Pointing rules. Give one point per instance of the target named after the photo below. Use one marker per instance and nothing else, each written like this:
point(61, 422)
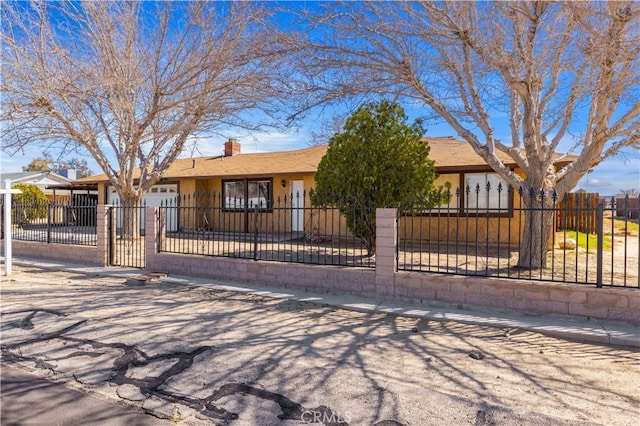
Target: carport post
point(7, 191)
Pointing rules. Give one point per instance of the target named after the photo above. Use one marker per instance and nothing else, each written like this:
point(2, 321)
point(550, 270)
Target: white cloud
point(254, 142)
point(608, 178)
point(14, 163)
point(614, 174)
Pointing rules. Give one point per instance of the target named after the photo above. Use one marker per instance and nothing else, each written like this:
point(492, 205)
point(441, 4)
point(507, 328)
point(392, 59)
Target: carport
point(159, 195)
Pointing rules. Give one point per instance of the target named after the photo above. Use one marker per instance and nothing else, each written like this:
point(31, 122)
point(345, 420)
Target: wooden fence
point(628, 207)
point(577, 212)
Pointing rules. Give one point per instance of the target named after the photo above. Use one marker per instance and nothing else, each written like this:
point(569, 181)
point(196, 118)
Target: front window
point(239, 194)
point(234, 195)
point(485, 192)
point(447, 186)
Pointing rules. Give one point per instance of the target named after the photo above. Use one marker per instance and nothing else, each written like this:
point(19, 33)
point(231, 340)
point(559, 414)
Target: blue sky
point(609, 177)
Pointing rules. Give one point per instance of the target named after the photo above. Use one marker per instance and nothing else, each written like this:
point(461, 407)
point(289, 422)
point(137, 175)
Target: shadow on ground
point(221, 356)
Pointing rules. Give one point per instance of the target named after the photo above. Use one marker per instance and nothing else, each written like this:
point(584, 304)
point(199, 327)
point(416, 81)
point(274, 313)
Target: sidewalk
point(575, 328)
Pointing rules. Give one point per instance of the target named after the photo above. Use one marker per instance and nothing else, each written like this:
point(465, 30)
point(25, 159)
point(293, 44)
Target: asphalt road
point(27, 399)
point(203, 356)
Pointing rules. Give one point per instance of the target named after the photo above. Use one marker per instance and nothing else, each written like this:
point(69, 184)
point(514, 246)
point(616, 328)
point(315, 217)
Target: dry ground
point(199, 356)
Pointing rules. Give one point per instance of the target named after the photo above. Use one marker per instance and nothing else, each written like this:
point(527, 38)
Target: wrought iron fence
point(488, 232)
point(286, 229)
point(126, 231)
point(63, 221)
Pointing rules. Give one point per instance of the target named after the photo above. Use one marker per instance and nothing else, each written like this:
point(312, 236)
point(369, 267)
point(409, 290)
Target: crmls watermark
point(327, 417)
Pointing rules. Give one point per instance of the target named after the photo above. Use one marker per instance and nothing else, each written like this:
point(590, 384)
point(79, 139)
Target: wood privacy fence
point(628, 207)
point(578, 212)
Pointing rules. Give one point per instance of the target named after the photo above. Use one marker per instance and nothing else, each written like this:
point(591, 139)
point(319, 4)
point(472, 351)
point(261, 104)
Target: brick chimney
point(231, 147)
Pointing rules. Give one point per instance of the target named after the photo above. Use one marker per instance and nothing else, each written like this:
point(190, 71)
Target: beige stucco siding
point(202, 211)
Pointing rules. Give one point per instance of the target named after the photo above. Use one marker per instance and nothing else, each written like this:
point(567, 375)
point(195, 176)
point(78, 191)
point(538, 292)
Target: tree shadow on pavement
point(224, 356)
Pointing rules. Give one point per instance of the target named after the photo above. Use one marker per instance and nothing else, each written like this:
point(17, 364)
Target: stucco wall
point(202, 198)
point(84, 255)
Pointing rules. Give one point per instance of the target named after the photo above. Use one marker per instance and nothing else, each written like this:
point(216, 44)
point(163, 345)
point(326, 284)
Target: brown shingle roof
point(302, 161)
point(447, 152)
point(298, 162)
point(450, 153)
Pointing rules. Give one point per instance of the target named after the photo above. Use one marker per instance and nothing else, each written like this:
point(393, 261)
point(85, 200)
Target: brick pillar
point(153, 217)
point(102, 234)
point(386, 261)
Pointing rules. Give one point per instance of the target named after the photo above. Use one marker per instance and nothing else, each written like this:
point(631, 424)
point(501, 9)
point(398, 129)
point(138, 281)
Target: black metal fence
point(71, 220)
point(481, 231)
point(286, 229)
point(126, 231)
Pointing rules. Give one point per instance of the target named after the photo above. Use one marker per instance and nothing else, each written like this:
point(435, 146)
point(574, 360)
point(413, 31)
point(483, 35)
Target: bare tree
point(549, 71)
point(132, 82)
point(631, 192)
point(47, 163)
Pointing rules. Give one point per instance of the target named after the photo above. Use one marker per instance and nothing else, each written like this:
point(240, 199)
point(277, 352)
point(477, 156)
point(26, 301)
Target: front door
point(297, 206)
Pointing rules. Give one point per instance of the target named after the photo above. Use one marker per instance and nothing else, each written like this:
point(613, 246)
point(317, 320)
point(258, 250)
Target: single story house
point(234, 181)
point(42, 180)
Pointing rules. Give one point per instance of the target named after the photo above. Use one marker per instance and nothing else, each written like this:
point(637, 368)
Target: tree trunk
point(130, 210)
point(538, 225)
point(371, 246)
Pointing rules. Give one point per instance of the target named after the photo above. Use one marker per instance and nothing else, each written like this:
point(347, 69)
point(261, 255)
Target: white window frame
point(485, 201)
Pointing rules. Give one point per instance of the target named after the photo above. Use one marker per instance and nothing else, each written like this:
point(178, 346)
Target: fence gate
point(126, 236)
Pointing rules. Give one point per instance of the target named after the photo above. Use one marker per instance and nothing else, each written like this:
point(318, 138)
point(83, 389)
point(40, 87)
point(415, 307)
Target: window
point(484, 194)
point(234, 195)
point(249, 193)
point(448, 184)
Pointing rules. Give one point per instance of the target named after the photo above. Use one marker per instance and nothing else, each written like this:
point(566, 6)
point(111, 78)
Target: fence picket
point(324, 239)
point(488, 241)
point(447, 238)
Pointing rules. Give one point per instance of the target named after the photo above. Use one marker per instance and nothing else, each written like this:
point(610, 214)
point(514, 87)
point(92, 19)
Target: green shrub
point(378, 159)
point(30, 205)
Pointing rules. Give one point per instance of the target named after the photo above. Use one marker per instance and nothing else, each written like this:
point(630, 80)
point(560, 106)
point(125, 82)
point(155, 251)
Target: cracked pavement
point(199, 356)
